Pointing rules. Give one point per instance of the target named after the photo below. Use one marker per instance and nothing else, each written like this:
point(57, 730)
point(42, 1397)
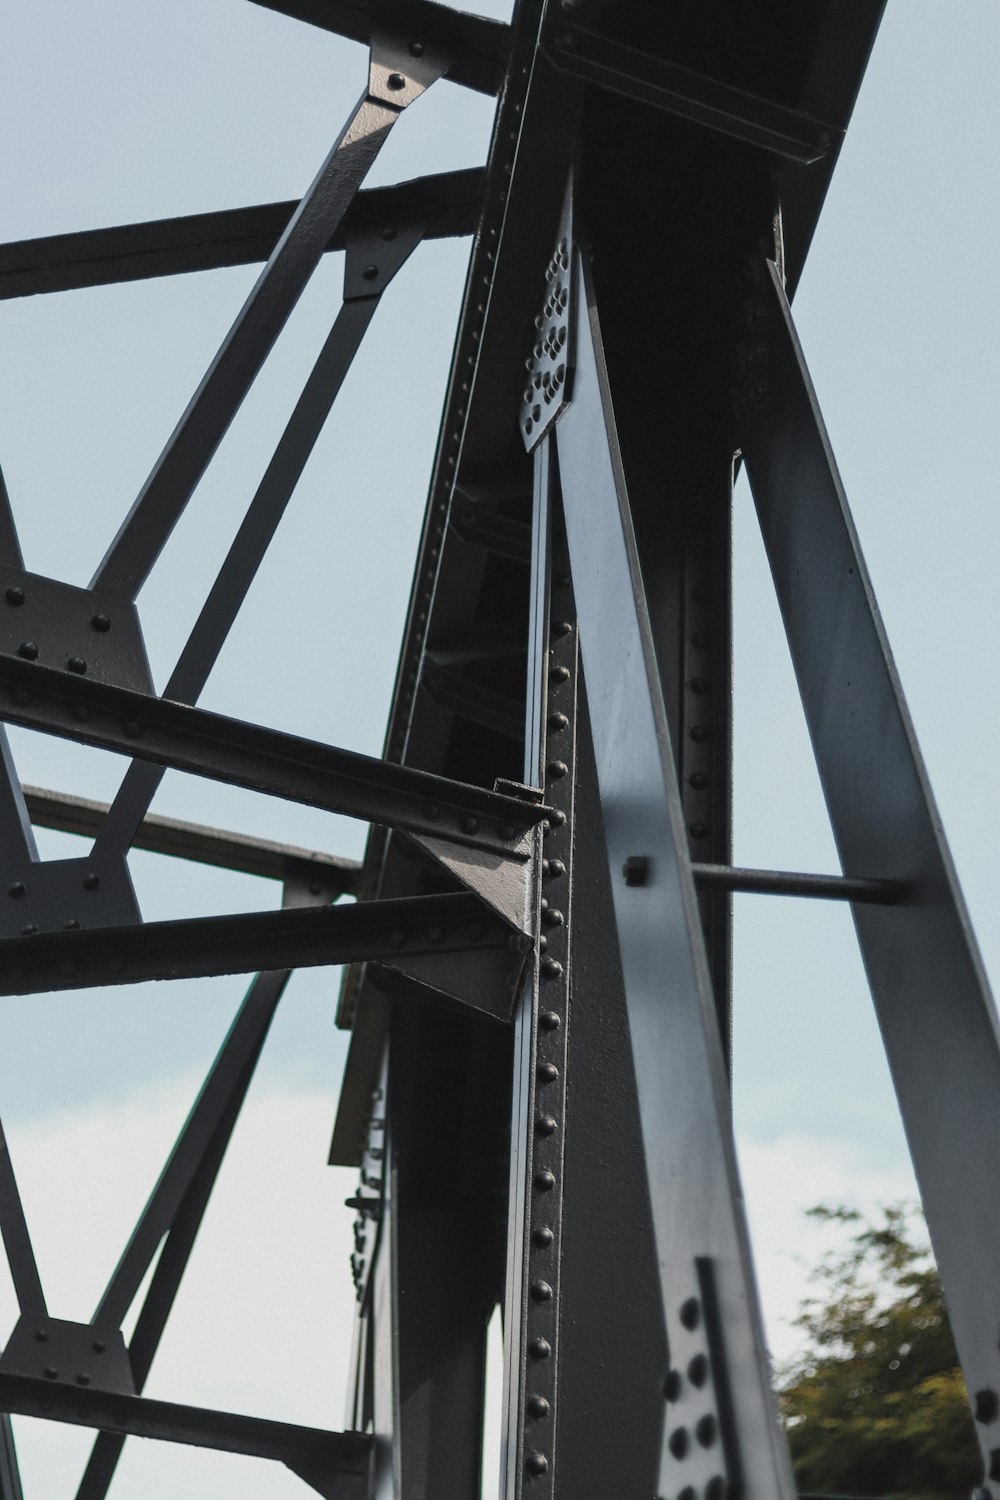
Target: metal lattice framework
point(539, 958)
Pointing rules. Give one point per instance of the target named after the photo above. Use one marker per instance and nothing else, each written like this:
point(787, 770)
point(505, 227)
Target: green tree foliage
point(877, 1404)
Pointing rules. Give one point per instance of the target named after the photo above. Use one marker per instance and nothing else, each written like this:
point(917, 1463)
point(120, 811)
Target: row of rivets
point(550, 1042)
point(474, 313)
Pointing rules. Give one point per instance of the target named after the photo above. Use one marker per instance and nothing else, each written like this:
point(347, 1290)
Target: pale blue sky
point(117, 112)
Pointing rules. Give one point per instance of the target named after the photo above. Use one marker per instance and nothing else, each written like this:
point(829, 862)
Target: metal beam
point(479, 46)
point(264, 760)
point(937, 1016)
point(205, 846)
point(709, 1298)
point(405, 934)
point(599, 59)
point(447, 202)
point(343, 1455)
point(787, 883)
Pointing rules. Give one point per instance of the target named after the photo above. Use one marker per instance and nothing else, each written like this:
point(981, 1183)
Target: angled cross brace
point(334, 1463)
point(263, 760)
point(937, 1017)
point(446, 202)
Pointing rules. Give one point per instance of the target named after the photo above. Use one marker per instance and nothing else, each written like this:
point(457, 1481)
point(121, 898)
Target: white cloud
point(783, 1178)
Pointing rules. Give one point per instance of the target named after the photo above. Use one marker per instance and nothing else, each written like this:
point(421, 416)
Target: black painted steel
point(343, 1455)
point(399, 933)
point(935, 1010)
point(16, 1239)
point(701, 1237)
point(709, 102)
point(265, 512)
point(789, 883)
point(447, 202)
point(480, 45)
point(263, 760)
point(166, 492)
point(194, 841)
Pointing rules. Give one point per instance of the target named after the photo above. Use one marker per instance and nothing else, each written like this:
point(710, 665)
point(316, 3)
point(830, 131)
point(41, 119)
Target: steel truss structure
point(539, 955)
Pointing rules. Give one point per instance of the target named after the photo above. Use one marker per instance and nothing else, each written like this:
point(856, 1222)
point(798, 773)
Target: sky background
point(117, 112)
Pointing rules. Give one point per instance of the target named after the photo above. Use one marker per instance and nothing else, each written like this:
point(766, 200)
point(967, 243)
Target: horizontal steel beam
point(345, 1455)
point(788, 883)
point(194, 841)
point(719, 106)
point(392, 932)
point(480, 46)
point(447, 202)
point(264, 760)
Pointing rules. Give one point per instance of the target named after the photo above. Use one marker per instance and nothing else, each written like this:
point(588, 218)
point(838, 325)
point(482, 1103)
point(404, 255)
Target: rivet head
point(673, 1385)
point(14, 596)
point(396, 82)
point(435, 935)
point(29, 931)
point(82, 1378)
point(546, 1125)
point(470, 824)
point(555, 818)
point(16, 889)
point(705, 1430)
point(549, 1020)
point(91, 881)
point(561, 627)
point(544, 1181)
point(678, 1442)
point(542, 1237)
point(42, 1335)
point(536, 1463)
point(699, 830)
point(51, 1373)
point(28, 650)
point(716, 1488)
point(370, 273)
point(541, 1291)
point(987, 1406)
point(98, 1346)
point(416, 49)
point(551, 968)
point(557, 723)
point(698, 780)
point(101, 623)
point(700, 733)
point(700, 686)
point(547, 1072)
point(72, 925)
point(555, 868)
point(557, 769)
point(636, 869)
point(690, 1313)
point(77, 664)
point(508, 831)
point(552, 917)
point(537, 1407)
point(698, 1370)
point(559, 674)
point(539, 1348)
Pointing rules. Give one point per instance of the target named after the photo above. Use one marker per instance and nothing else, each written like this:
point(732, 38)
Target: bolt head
point(987, 1406)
